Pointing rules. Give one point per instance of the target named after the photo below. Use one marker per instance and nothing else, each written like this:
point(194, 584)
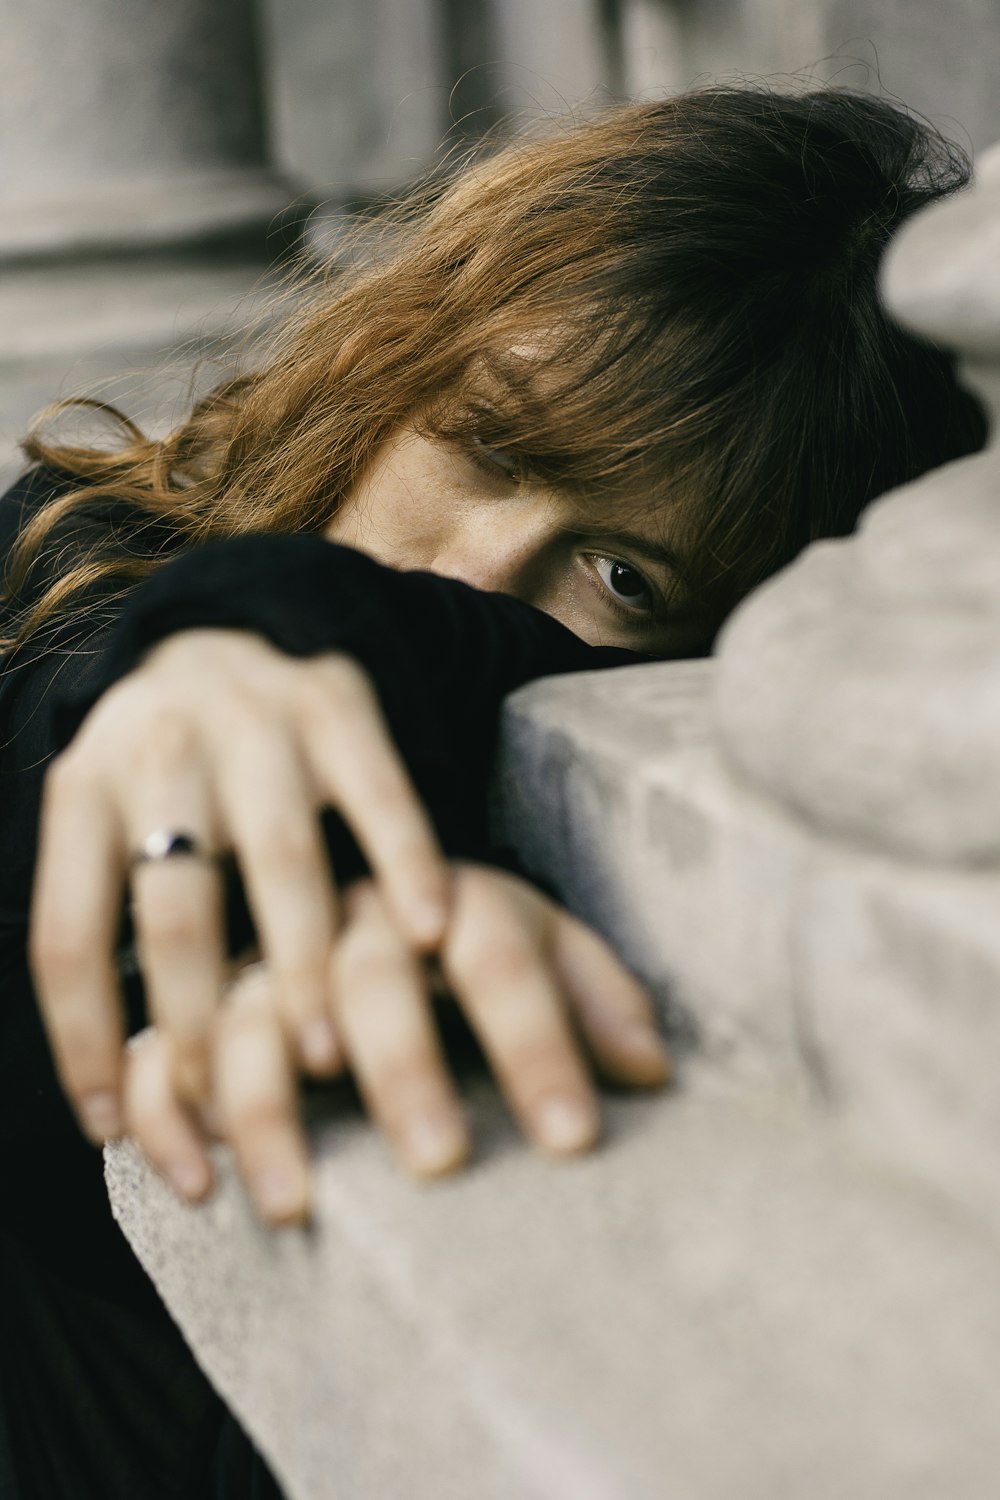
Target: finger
point(613, 1010)
point(156, 1118)
point(271, 813)
point(257, 1102)
point(177, 908)
point(361, 772)
point(386, 1022)
point(74, 921)
point(498, 964)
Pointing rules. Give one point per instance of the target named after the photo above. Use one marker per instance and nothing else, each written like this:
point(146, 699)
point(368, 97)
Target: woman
point(610, 380)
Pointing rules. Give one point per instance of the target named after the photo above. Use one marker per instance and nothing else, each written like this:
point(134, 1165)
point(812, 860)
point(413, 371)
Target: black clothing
point(99, 1395)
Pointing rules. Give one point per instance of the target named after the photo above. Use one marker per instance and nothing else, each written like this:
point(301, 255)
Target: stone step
point(129, 330)
point(780, 1280)
point(724, 1301)
point(866, 982)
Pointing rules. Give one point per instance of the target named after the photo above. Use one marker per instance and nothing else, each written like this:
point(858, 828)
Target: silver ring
point(169, 843)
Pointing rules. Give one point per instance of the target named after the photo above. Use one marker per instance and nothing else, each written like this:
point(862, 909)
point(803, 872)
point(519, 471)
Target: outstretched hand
point(544, 995)
point(224, 740)
point(235, 746)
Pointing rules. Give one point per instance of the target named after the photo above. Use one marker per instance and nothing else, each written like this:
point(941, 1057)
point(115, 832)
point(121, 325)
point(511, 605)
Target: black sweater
point(101, 1399)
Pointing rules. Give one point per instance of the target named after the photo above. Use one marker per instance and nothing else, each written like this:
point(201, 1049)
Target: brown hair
point(700, 274)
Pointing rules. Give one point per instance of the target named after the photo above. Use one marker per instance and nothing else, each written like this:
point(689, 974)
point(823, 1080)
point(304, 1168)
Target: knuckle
point(537, 1062)
point(369, 953)
point(68, 775)
point(170, 740)
point(54, 954)
point(367, 967)
point(252, 1113)
point(362, 903)
point(289, 844)
point(243, 702)
point(406, 1083)
point(190, 1068)
point(299, 984)
point(83, 1060)
point(481, 952)
point(147, 1110)
point(249, 998)
point(341, 673)
point(58, 951)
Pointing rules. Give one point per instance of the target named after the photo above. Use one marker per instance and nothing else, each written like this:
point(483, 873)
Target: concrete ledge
point(721, 1303)
point(783, 1279)
point(868, 983)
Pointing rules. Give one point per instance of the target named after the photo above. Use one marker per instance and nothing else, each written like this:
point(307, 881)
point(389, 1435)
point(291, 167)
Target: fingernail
point(434, 1141)
point(190, 1177)
point(647, 1047)
point(319, 1043)
point(564, 1123)
point(282, 1191)
point(100, 1115)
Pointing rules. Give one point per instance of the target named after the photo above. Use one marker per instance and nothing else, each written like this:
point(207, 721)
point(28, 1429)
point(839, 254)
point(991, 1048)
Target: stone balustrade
point(129, 125)
point(782, 1279)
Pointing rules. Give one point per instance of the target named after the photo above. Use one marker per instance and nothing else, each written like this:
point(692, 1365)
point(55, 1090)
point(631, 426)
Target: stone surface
point(832, 971)
point(915, 50)
point(861, 686)
point(781, 1279)
point(357, 93)
point(142, 334)
point(128, 123)
point(722, 1302)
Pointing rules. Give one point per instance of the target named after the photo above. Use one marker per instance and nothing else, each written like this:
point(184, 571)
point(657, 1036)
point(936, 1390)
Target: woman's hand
point(225, 739)
point(541, 991)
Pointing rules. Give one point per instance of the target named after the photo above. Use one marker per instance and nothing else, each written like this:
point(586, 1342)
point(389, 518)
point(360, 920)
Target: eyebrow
point(513, 372)
point(658, 553)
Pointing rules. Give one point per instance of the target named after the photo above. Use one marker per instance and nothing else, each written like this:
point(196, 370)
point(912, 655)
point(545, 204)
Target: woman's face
point(462, 510)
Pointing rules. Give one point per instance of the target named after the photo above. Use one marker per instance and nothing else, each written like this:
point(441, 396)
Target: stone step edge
point(868, 983)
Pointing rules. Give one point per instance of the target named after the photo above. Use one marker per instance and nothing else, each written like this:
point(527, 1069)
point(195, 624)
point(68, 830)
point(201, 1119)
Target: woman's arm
point(441, 656)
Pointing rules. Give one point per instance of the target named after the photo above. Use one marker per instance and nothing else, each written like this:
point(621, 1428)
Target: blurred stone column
point(556, 56)
point(939, 59)
point(129, 123)
point(358, 91)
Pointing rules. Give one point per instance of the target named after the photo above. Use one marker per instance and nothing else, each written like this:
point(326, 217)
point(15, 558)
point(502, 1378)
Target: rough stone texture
point(834, 972)
point(781, 1280)
point(861, 687)
point(723, 1302)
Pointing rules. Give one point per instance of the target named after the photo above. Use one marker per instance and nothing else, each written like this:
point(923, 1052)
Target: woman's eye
point(625, 584)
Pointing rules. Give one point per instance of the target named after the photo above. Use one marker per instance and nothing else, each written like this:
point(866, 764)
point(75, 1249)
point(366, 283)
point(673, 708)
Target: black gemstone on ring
point(163, 844)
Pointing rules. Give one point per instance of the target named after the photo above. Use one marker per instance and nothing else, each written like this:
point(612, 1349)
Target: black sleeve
point(442, 655)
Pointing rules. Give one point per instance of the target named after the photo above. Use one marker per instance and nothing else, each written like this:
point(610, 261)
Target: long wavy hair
point(700, 274)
